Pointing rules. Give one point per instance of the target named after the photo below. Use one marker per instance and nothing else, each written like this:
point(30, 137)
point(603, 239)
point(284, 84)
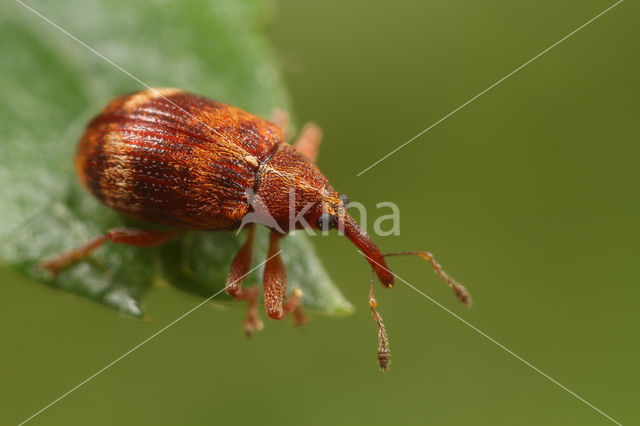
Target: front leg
point(275, 285)
point(239, 269)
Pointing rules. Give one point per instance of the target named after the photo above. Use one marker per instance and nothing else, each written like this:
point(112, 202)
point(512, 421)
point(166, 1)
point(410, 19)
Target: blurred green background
point(529, 196)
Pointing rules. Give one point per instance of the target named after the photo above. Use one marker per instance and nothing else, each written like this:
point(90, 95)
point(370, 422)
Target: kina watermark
point(317, 218)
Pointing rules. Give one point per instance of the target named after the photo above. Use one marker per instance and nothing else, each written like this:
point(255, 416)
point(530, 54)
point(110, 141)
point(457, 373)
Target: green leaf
point(52, 86)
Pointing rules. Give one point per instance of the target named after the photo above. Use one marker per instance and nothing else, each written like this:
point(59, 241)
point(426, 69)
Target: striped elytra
point(172, 157)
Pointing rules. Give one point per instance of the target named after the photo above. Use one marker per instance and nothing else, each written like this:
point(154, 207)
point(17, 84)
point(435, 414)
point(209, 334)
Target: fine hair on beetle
point(173, 158)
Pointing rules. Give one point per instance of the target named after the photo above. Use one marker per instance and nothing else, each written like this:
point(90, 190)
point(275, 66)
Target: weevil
point(190, 163)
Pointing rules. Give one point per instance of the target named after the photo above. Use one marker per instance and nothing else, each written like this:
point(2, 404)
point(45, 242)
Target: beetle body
point(178, 159)
point(175, 158)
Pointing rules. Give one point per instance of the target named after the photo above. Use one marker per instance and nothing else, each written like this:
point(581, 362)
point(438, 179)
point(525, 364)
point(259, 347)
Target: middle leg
point(308, 139)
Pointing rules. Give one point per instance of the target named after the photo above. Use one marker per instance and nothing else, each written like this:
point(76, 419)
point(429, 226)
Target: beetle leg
point(281, 119)
point(308, 141)
point(275, 286)
point(239, 269)
point(135, 237)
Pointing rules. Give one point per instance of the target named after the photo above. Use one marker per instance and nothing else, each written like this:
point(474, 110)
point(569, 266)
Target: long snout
point(364, 242)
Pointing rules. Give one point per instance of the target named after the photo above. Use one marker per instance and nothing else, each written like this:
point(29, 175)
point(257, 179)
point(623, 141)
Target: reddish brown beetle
point(174, 158)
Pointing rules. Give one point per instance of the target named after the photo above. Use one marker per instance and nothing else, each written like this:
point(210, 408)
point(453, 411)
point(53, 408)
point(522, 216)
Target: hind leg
point(134, 237)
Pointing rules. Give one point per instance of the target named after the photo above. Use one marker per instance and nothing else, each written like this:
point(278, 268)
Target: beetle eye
point(325, 222)
point(344, 199)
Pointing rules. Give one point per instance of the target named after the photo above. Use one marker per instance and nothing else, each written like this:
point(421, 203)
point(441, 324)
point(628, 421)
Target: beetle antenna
point(383, 341)
point(461, 293)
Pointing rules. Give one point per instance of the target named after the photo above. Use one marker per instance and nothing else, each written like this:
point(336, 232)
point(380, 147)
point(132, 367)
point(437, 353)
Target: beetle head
point(296, 194)
point(333, 214)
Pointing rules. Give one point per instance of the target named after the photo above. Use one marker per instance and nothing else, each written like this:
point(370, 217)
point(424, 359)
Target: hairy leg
point(239, 269)
point(309, 140)
point(280, 118)
point(275, 285)
point(135, 237)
